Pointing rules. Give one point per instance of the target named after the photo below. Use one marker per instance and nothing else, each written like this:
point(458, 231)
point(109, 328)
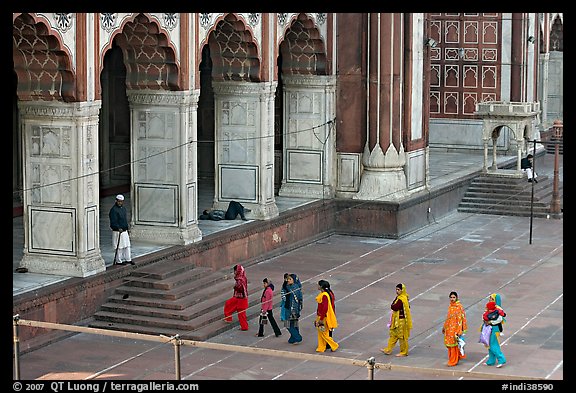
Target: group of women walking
point(290, 308)
point(399, 324)
point(454, 327)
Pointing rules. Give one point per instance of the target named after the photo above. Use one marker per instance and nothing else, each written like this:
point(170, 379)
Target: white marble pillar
point(164, 167)
point(309, 136)
point(244, 146)
point(61, 182)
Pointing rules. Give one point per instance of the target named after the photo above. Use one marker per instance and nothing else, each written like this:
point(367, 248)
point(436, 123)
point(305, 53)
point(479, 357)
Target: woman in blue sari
point(293, 306)
point(495, 354)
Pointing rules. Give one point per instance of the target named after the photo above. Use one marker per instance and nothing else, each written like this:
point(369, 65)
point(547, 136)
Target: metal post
point(16, 349)
point(371, 362)
point(532, 196)
point(555, 203)
point(177, 344)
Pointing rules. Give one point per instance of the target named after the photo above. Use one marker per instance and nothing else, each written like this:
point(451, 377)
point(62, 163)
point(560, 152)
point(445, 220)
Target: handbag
point(263, 318)
point(461, 343)
point(485, 334)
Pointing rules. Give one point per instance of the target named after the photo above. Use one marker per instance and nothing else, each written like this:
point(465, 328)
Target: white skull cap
point(120, 197)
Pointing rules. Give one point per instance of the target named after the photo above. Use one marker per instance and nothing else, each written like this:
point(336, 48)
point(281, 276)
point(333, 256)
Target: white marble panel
point(268, 183)
point(192, 208)
point(416, 168)
point(239, 183)
point(156, 205)
point(92, 227)
point(304, 166)
point(52, 231)
point(457, 134)
point(348, 171)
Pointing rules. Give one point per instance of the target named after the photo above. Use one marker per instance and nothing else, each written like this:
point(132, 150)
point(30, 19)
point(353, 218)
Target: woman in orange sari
point(454, 327)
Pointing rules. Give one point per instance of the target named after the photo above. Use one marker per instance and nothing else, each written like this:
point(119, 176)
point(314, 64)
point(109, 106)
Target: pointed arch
point(149, 57)
point(42, 65)
point(234, 53)
point(302, 49)
point(557, 35)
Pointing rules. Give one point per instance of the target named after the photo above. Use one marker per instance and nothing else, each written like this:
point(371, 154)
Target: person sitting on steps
point(526, 166)
point(234, 209)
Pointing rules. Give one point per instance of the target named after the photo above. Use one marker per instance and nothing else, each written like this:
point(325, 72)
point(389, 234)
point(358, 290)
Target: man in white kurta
point(120, 238)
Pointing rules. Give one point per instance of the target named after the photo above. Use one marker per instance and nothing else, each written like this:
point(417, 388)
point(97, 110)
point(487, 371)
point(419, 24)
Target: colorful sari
point(455, 326)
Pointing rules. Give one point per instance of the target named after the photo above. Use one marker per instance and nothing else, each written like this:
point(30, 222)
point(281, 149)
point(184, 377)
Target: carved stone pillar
point(244, 139)
point(384, 157)
point(164, 167)
point(61, 191)
point(309, 137)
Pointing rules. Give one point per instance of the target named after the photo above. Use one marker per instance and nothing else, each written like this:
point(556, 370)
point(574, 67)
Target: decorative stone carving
point(205, 20)
point(108, 21)
point(170, 20)
point(63, 20)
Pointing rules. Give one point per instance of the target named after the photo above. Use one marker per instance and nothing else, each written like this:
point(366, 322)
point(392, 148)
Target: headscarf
point(270, 285)
point(496, 298)
point(330, 320)
point(241, 286)
point(403, 296)
point(283, 293)
point(295, 290)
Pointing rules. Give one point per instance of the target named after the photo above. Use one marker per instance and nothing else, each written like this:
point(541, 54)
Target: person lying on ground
point(234, 209)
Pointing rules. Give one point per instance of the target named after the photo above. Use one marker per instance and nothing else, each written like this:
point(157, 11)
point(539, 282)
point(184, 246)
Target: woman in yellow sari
point(325, 317)
point(455, 326)
point(400, 322)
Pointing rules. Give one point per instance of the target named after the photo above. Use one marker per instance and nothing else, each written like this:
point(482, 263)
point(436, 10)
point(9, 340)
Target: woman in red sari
point(239, 300)
point(454, 327)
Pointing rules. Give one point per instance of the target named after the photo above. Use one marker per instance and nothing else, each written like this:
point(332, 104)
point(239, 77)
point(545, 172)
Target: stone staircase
point(173, 297)
point(507, 196)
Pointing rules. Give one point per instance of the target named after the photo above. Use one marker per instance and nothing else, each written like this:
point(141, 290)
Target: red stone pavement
point(474, 255)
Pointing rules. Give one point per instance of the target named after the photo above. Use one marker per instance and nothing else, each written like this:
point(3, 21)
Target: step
point(197, 303)
point(515, 198)
point(199, 320)
point(500, 212)
point(503, 206)
point(505, 201)
point(215, 280)
point(164, 269)
point(180, 303)
point(198, 275)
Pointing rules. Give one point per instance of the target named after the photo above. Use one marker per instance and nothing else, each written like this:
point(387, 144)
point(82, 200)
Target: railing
point(177, 342)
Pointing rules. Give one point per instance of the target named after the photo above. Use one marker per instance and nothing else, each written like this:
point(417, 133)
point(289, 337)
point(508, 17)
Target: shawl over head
point(241, 286)
point(330, 321)
point(455, 323)
point(403, 296)
point(496, 298)
point(294, 296)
